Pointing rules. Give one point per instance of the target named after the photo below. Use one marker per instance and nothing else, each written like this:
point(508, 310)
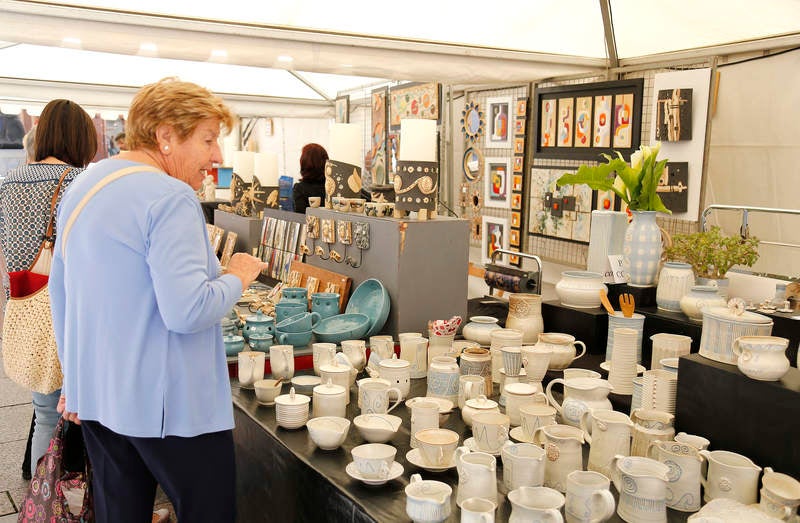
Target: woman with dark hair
point(312, 176)
point(65, 142)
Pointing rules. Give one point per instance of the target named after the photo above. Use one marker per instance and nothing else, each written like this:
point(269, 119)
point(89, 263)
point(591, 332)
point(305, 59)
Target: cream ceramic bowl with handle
point(328, 432)
point(377, 428)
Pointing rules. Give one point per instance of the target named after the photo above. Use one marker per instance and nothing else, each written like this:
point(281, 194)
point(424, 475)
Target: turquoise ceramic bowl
point(342, 327)
point(233, 345)
point(305, 321)
point(260, 342)
point(298, 339)
point(372, 299)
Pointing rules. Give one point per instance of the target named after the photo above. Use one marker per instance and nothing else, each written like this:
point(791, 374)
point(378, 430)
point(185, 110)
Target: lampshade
point(417, 140)
point(243, 165)
point(345, 143)
point(266, 169)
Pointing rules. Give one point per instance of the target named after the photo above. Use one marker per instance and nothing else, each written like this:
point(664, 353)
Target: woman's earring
point(166, 148)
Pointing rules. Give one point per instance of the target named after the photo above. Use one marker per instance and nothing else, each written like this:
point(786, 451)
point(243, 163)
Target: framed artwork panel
point(583, 121)
point(497, 182)
point(519, 127)
point(516, 219)
point(415, 100)
point(342, 109)
point(518, 164)
point(516, 183)
point(519, 145)
point(378, 138)
point(522, 106)
point(674, 115)
point(560, 212)
point(513, 238)
point(494, 235)
point(498, 121)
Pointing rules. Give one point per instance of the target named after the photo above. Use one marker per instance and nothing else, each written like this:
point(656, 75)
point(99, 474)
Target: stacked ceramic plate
point(636, 398)
point(623, 360)
point(659, 388)
point(291, 410)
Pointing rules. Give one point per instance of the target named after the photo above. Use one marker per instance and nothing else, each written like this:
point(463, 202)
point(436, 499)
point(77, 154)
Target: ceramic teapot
point(580, 395)
point(258, 323)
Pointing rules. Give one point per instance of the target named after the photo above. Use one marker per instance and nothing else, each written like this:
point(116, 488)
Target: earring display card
point(227, 251)
point(329, 231)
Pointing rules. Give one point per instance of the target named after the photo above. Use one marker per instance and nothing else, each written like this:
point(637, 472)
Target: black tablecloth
point(281, 476)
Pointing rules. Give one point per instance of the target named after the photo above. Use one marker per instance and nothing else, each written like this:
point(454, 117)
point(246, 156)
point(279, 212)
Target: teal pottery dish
point(342, 327)
point(260, 342)
point(233, 345)
point(371, 299)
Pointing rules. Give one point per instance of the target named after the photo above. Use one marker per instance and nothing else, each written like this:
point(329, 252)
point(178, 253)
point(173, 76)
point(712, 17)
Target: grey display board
point(248, 229)
point(423, 265)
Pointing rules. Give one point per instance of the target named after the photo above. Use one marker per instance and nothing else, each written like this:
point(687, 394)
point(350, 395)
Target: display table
point(282, 476)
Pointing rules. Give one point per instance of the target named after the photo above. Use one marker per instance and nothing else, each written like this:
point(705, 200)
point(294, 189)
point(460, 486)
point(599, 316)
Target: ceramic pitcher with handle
point(477, 475)
point(580, 395)
point(610, 436)
point(730, 475)
point(683, 489)
point(563, 447)
point(642, 486)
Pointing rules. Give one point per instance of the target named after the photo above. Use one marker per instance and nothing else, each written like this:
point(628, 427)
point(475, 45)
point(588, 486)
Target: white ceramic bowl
point(266, 391)
point(328, 432)
point(305, 384)
point(377, 428)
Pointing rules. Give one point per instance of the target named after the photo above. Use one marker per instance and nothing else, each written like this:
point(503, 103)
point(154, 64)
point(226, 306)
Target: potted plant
point(636, 185)
point(711, 254)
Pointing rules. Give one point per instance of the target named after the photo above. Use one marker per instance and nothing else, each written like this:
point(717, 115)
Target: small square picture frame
point(516, 201)
point(516, 182)
point(519, 145)
point(519, 127)
point(518, 164)
point(521, 107)
point(513, 238)
point(516, 219)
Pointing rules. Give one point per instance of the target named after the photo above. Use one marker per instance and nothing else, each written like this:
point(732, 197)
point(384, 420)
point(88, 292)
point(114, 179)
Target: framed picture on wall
point(342, 109)
point(414, 100)
point(497, 182)
point(494, 235)
point(583, 121)
point(498, 120)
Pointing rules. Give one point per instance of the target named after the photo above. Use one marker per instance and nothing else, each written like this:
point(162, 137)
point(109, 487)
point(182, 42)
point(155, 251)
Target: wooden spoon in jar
point(606, 303)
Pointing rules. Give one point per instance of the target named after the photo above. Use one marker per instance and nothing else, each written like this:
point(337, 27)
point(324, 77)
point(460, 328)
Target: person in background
point(28, 143)
point(119, 142)
point(139, 335)
point(64, 142)
point(312, 176)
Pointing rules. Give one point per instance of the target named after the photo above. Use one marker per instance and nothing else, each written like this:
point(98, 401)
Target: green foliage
point(635, 184)
point(711, 254)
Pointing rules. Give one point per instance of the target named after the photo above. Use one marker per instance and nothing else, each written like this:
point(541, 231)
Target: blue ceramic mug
point(298, 339)
point(305, 321)
point(326, 304)
point(295, 294)
point(290, 308)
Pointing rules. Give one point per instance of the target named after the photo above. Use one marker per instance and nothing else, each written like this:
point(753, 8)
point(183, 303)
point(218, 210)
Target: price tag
point(615, 264)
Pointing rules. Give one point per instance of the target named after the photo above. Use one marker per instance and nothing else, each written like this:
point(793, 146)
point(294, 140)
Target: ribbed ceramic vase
point(642, 249)
point(674, 282)
point(525, 314)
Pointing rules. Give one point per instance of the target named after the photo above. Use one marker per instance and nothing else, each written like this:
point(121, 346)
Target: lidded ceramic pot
point(699, 297)
point(722, 325)
point(258, 323)
point(476, 405)
point(329, 400)
point(397, 372)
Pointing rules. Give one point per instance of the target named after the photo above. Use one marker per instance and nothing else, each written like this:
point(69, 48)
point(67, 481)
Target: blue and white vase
point(674, 282)
point(642, 249)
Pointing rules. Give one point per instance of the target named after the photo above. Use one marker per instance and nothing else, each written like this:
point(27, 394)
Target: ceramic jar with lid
point(525, 314)
point(580, 289)
point(674, 282)
point(329, 400)
point(698, 298)
point(291, 410)
point(477, 361)
point(722, 325)
point(478, 329)
point(443, 375)
point(476, 405)
point(397, 372)
point(258, 323)
point(338, 375)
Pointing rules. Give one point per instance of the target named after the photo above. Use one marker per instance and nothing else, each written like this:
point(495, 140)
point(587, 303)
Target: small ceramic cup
point(314, 201)
point(357, 205)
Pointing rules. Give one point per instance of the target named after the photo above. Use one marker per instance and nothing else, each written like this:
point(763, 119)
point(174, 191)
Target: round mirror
point(473, 163)
point(472, 122)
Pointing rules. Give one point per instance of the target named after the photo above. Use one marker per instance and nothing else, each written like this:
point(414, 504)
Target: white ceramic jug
point(608, 436)
point(683, 489)
point(650, 425)
point(251, 367)
point(523, 465)
point(730, 475)
point(535, 505)
point(477, 475)
point(642, 486)
point(580, 395)
point(427, 500)
point(562, 347)
point(563, 447)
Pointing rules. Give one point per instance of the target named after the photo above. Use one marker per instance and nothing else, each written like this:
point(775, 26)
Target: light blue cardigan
point(136, 303)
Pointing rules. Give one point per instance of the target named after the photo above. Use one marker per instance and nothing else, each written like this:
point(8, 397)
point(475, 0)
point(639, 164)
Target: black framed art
point(580, 122)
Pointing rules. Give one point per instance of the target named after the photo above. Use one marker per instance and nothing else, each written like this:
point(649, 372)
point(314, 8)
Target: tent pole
point(611, 41)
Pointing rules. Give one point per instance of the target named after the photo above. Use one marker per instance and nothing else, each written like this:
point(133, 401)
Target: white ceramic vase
point(525, 315)
point(580, 289)
point(675, 281)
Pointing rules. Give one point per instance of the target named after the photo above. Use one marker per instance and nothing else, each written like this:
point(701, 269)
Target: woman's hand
point(62, 409)
point(245, 267)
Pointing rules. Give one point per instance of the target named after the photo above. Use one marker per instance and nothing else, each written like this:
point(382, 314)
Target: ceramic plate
point(266, 403)
point(606, 366)
point(472, 445)
point(395, 472)
point(445, 406)
point(415, 458)
point(370, 298)
point(335, 329)
point(517, 434)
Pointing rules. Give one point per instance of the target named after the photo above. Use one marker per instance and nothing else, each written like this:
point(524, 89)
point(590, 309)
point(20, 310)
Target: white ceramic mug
point(523, 465)
point(374, 460)
point(512, 360)
point(251, 367)
point(356, 352)
point(437, 446)
point(490, 431)
point(322, 354)
point(281, 360)
point(424, 415)
point(477, 510)
point(374, 397)
point(382, 345)
point(589, 499)
point(536, 415)
point(470, 387)
point(414, 349)
point(518, 395)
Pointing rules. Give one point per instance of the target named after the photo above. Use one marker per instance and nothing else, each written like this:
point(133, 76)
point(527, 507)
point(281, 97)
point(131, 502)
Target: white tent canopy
point(269, 56)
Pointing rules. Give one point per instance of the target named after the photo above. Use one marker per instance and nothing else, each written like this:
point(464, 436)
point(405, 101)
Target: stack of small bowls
point(296, 329)
point(291, 410)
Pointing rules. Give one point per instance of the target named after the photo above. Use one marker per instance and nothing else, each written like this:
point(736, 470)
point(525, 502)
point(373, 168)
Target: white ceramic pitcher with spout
point(642, 486)
point(477, 475)
point(580, 395)
point(610, 435)
point(684, 462)
point(563, 446)
point(730, 475)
